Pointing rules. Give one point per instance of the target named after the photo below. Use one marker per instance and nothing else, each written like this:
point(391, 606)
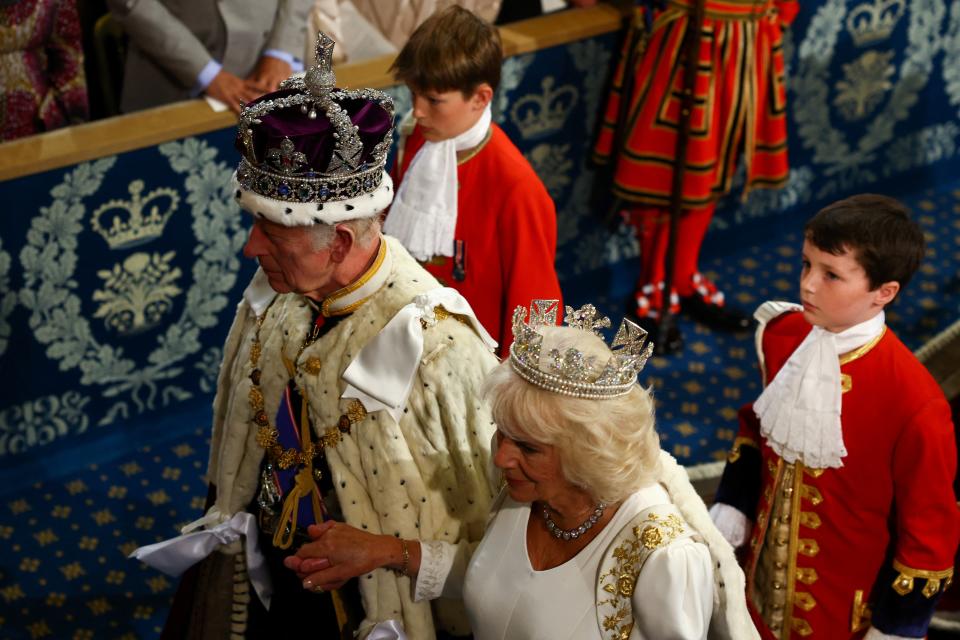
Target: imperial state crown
point(313, 153)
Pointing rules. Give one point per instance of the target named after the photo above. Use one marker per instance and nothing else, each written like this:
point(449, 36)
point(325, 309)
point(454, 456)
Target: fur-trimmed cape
point(731, 619)
point(425, 477)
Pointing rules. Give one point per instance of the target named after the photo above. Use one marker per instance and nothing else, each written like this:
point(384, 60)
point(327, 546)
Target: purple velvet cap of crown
point(314, 136)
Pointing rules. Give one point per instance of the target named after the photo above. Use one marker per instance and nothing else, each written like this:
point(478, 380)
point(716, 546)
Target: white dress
point(689, 586)
point(507, 598)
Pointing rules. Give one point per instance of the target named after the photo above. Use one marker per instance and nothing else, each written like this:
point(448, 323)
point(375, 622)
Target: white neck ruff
point(799, 410)
point(423, 216)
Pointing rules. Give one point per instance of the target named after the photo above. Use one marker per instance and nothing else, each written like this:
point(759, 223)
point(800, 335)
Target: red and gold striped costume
point(739, 104)
point(739, 107)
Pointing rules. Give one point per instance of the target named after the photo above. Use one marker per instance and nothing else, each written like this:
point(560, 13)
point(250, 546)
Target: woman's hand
point(340, 552)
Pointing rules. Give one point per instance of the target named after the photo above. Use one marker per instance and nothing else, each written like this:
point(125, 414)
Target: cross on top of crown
point(320, 79)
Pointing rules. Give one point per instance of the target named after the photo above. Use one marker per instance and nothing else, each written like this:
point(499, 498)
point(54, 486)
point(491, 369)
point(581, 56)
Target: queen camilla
point(597, 533)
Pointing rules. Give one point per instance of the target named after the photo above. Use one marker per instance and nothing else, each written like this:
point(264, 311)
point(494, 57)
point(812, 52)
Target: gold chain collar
point(267, 434)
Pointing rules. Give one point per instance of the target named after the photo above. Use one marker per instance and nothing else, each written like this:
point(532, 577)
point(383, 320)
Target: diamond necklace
point(576, 532)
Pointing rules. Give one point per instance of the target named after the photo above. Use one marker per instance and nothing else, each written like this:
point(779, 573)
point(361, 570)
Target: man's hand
point(269, 73)
point(231, 90)
point(338, 553)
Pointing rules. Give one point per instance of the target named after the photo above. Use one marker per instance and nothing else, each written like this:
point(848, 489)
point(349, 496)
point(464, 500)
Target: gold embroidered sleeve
point(621, 567)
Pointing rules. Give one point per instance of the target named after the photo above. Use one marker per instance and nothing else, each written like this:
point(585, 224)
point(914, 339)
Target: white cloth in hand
point(176, 555)
point(387, 630)
point(875, 634)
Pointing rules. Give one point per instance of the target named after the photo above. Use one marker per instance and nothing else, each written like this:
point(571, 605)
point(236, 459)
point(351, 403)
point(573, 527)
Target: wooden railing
point(84, 142)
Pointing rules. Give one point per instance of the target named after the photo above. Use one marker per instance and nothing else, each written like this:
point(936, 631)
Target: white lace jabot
point(799, 410)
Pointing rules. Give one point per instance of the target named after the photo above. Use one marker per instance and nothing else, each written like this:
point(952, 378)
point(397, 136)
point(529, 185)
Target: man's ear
point(886, 292)
point(482, 96)
point(344, 239)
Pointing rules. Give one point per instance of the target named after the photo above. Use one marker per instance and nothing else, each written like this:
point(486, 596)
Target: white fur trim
point(305, 214)
point(706, 470)
point(382, 373)
point(731, 620)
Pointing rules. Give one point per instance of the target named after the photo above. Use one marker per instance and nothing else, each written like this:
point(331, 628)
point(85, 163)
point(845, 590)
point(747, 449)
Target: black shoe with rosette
point(708, 306)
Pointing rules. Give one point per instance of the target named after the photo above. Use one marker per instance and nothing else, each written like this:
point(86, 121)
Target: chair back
point(110, 52)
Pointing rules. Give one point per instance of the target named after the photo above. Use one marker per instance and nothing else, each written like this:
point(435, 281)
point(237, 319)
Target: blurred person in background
point(736, 116)
point(232, 51)
point(41, 67)
point(379, 28)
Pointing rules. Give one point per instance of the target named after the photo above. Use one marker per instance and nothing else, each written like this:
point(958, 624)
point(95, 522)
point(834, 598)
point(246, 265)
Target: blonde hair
point(608, 447)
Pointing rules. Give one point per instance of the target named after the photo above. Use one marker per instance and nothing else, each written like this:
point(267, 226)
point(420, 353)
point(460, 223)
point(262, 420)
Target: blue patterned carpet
point(65, 574)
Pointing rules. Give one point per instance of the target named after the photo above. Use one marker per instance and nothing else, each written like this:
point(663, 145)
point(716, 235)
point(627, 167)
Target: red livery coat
point(856, 535)
point(507, 227)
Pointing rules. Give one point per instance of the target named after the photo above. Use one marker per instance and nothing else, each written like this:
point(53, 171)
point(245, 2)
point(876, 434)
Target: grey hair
point(365, 230)
point(608, 447)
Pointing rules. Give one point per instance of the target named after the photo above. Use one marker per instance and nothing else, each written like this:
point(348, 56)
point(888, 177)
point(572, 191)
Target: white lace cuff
point(876, 634)
point(732, 524)
point(436, 560)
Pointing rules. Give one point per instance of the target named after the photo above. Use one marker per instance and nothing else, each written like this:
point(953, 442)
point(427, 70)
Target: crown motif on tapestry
point(282, 172)
point(873, 21)
point(128, 223)
point(571, 373)
point(537, 115)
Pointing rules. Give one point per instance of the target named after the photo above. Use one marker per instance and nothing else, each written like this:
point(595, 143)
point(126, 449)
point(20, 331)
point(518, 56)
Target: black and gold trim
point(740, 441)
point(904, 582)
